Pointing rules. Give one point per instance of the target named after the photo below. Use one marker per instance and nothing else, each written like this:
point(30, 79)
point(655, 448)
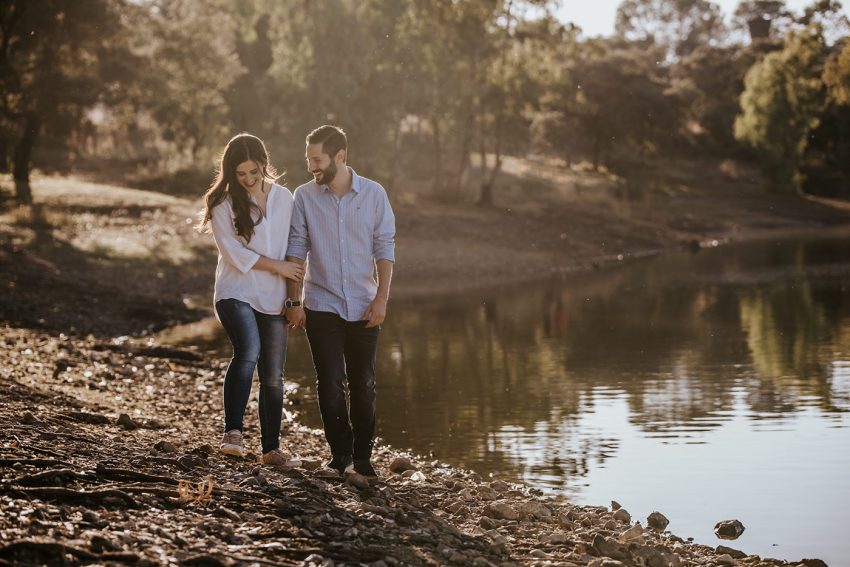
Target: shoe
point(339, 463)
point(231, 444)
point(279, 458)
point(364, 467)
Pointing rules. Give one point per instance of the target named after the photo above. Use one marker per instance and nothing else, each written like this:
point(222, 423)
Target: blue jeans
point(259, 341)
point(345, 352)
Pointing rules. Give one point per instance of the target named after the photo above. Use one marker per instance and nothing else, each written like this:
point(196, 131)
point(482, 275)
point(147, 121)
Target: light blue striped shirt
point(341, 239)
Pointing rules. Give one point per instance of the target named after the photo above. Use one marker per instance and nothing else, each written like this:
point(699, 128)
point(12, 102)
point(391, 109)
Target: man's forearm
point(385, 277)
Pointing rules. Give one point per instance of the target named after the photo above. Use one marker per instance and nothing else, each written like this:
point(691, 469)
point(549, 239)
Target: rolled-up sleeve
point(299, 236)
point(229, 244)
point(383, 238)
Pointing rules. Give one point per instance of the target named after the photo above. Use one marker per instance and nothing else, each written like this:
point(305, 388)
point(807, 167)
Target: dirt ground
point(108, 438)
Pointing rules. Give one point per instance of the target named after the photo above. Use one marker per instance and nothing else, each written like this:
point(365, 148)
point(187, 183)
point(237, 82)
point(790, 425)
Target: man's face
point(320, 164)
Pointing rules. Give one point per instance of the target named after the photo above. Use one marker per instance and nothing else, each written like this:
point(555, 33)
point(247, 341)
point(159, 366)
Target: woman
point(248, 215)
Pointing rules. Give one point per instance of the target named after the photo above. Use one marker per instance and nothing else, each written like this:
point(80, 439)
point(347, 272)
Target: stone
point(539, 554)
point(658, 556)
point(488, 523)
point(657, 521)
point(636, 533)
point(417, 476)
point(610, 548)
point(165, 447)
point(534, 510)
point(401, 464)
point(501, 510)
point(623, 516)
point(722, 549)
point(356, 480)
point(487, 493)
point(615, 506)
point(729, 529)
point(499, 486)
point(725, 560)
point(605, 562)
point(813, 563)
point(127, 422)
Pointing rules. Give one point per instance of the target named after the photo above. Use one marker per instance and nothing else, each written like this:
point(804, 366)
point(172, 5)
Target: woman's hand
point(291, 270)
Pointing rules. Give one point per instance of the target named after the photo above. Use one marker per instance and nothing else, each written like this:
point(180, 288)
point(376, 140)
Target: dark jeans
point(259, 341)
point(344, 351)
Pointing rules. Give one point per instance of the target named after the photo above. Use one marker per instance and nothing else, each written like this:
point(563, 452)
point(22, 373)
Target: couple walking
point(337, 237)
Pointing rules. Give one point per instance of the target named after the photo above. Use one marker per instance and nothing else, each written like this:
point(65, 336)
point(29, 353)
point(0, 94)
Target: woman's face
point(250, 175)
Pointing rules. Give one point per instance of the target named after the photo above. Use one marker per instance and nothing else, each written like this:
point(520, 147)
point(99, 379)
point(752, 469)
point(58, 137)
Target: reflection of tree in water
point(786, 328)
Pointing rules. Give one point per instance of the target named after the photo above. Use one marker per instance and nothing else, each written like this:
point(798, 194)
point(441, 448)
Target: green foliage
point(836, 76)
point(50, 72)
point(781, 104)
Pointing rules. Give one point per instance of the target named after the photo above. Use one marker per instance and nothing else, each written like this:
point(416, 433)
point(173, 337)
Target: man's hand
point(375, 313)
point(296, 317)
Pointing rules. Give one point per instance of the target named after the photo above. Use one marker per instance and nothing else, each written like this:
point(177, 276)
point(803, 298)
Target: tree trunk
point(438, 157)
point(23, 157)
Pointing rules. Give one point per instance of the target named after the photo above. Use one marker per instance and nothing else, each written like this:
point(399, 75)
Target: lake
point(707, 386)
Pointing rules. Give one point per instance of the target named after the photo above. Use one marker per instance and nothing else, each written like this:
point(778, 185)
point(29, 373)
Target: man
point(344, 228)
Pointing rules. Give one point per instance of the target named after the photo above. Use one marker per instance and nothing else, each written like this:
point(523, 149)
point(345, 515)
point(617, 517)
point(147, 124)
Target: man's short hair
point(332, 139)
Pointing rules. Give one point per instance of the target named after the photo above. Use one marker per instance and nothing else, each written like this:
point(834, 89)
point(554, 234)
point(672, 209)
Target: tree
point(679, 25)
point(50, 73)
point(762, 18)
point(780, 106)
point(710, 81)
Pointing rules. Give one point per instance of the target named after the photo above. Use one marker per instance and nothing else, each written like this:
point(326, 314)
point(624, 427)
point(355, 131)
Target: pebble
point(501, 510)
point(127, 422)
point(356, 480)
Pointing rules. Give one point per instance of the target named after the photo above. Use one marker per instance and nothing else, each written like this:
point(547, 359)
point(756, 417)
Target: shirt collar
point(355, 182)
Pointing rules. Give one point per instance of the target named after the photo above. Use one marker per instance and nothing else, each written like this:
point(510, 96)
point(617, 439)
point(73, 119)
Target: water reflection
point(681, 368)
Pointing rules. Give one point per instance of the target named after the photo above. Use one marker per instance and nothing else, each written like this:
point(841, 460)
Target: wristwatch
point(292, 303)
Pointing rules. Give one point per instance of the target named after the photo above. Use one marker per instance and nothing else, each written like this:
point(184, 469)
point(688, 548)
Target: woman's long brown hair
point(241, 148)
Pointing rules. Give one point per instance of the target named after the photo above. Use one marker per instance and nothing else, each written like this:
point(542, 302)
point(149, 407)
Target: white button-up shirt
point(234, 278)
point(341, 238)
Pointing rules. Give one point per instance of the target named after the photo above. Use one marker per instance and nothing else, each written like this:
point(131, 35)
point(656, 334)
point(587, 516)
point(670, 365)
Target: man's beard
point(328, 174)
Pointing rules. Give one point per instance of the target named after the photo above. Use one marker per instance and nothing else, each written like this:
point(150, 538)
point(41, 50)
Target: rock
point(606, 562)
point(657, 521)
point(610, 548)
point(481, 562)
point(401, 464)
point(356, 480)
point(192, 461)
point(417, 476)
point(534, 510)
point(467, 494)
point(311, 464)
point(458, 558)
point(487, 493)
point(725, 560)
point(488, 523)
point(165, 447)
point(127, 422)
point(729, 529)
point(539, 553)
point(501, 510)
point(623, 516)
point(813, 563)
point(636, 533)
point(378, 563)
point(615, 506)
point(499, 486)
point(722, 549)
point(390, 560)
point(658, 556)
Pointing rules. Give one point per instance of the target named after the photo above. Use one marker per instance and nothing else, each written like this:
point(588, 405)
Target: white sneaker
point(279, 458)
point(231, 444)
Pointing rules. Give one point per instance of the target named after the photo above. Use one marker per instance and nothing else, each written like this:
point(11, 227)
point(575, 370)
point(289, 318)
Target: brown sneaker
point(231, 444)
point(279, 458)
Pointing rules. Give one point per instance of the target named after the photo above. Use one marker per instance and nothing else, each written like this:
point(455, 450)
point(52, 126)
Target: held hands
point(291, 270)
point(296, 317)
point(375, 313)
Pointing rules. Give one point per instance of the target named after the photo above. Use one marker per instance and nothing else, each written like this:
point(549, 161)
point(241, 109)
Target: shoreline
point(89, 267)
point(102, 461)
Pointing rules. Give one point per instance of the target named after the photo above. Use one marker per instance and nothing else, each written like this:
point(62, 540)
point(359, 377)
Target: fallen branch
point(127, 474)
point(57, 493)
point(49, 476)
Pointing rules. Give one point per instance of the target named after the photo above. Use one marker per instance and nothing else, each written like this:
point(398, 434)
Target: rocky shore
point(108, 457)
point(108, 440)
